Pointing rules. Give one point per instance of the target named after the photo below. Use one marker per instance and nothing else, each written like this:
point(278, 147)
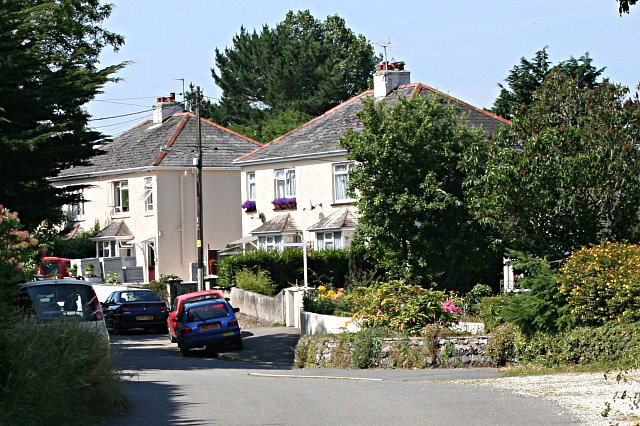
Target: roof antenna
point(385, 44)
point(184, 104)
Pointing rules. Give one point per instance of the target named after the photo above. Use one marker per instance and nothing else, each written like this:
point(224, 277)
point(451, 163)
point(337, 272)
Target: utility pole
point(198, 164)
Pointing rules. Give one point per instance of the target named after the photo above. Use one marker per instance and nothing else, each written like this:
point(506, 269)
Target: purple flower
point(449, 307)
point(249, 205)
point(284, 202)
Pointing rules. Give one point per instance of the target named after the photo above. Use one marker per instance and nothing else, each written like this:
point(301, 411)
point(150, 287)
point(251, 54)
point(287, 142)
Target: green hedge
point(329, 267)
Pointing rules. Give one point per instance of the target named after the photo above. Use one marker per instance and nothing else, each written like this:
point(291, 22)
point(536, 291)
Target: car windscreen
point(139, 296)
point(69, 301)
point(207, 312)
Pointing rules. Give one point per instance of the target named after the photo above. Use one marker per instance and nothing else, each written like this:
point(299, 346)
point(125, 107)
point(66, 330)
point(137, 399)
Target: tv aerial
point(386, 44)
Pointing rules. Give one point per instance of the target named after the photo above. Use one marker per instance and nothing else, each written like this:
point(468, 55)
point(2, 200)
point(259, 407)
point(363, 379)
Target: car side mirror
point(175, 320)
point(236, 310)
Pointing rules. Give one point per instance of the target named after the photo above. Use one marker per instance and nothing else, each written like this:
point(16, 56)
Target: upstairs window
point(120, 197)
point(285, 183)
point(147, 195)
point(251, 185)
point(341, 182)
point(76, 210)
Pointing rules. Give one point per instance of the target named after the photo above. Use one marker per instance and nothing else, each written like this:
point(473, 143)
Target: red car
point(177, 307)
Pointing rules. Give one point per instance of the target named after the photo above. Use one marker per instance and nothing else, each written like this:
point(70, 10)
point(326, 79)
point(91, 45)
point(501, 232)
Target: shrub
point(505, 343)
point(59, 373)
point(471, 301)
point(602, 284)
point(258, 282)
point(159, 286)
point(321, 300)
point(491, 311)
point(402, 307)
point(367, 347)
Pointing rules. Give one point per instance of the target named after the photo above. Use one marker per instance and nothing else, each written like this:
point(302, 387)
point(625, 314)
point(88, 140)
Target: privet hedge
point(329, 267)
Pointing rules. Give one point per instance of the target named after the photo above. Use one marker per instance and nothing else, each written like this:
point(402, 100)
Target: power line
point(122, 115)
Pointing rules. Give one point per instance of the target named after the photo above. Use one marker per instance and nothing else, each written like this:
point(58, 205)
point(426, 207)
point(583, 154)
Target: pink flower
point(449, 307)
point(378, 309)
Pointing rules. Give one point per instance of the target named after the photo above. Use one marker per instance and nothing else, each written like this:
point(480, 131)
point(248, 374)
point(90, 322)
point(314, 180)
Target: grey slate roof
point(140, 146)
point(116, 230)
point(280, 224)
point(322, 134)
point(342, 218)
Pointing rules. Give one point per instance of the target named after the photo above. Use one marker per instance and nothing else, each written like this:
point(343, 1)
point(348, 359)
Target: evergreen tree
point(276, 79)
point(48, 55)
point(527, 77)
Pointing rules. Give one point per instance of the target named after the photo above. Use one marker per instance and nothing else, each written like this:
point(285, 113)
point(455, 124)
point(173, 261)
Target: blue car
point(207, 324)
point(133, 308)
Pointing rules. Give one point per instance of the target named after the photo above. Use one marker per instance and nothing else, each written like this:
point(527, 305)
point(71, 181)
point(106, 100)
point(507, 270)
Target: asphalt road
point(257, 386)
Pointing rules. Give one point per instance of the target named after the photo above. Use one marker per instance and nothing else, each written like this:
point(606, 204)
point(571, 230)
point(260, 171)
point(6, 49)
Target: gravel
point(585, 394)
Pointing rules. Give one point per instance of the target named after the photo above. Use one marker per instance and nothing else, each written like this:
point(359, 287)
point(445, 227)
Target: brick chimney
point(165, 107)
point(388, 77)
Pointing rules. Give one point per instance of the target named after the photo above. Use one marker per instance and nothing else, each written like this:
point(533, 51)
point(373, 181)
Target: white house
point(296, 185)
point(142, 192)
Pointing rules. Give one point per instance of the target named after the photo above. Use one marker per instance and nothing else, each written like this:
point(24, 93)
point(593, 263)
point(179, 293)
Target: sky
point(463, 48)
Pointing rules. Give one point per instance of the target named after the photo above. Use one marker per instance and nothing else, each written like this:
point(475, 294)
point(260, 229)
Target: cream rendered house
point(308, 165)
point(142, 192)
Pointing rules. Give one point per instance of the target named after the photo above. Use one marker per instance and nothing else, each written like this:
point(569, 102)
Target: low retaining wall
point(414, 352)
point(257, 305)
point(311, 323)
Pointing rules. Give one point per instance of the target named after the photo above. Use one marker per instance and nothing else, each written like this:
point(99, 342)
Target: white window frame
point(120, 197)
point(270, 242)
point(251, 186)
point(341, 173)
point(284, 183)
point(76, 210)
point(336, 238)
point(147, 196)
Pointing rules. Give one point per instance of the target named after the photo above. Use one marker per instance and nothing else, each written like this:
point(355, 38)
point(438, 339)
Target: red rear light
point(96, 306)
point(163, 309)
point(124, 309)
point(185, 330)
point(233, 323)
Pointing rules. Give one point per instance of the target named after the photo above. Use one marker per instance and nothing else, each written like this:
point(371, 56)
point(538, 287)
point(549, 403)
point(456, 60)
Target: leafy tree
point(567, 172)
point(623, 6)
point(48, 56)
point(413, 218)
point(18, 250)
point(527, 77)
point(276, 79)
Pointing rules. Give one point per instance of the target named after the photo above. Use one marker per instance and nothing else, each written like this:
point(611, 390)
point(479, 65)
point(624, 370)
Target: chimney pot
point(172, 96)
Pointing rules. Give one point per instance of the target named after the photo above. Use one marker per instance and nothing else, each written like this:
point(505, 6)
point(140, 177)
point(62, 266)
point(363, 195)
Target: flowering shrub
point(249, 205)
point(17, 249)
point(327, 301)
point(284, 203)
point(403, 307)
point(601, 284)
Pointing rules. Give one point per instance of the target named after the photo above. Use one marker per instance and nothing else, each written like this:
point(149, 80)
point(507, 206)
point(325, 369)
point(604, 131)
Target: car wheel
point(238, 343)
point(185, 351)
point(172, 339)
point(116, 329)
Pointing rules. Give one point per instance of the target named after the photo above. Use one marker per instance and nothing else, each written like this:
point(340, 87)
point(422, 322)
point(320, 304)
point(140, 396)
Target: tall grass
point(56, 373)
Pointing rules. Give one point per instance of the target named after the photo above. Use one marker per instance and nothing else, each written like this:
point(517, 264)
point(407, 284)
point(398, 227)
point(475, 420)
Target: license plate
point(144, 318)
point(209, 326)
point(228, 334)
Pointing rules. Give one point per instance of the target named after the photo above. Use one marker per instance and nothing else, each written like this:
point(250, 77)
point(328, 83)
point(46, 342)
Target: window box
point(284, 203)
point(249, 206)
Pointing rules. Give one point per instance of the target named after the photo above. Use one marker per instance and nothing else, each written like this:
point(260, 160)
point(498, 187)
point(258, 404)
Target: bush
point(402, 307)
point(491, 311)
point(319, 300)
point(505, 344)
point(602, 284)
point(471, 301)
point(611, 345)
point(159, 286)
point(258, 282)
point(59, 373)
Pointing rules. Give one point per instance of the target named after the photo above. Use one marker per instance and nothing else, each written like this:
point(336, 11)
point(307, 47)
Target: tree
point(623, 6)
point(566, 174)
point(524, 79)
point(413, 218)
point(48, 55)
point(297, 70)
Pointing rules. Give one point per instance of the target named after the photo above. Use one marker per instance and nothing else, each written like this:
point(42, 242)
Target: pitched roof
point(281, 224)
point(140, 146)
point(116, 230)
point(342, 218)
point(322, 134)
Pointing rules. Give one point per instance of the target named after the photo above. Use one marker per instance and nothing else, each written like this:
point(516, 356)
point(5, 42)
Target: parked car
point(178, 304)
point(54, 267)
point(63, 299)
point(207, 324)
point(133, 308)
